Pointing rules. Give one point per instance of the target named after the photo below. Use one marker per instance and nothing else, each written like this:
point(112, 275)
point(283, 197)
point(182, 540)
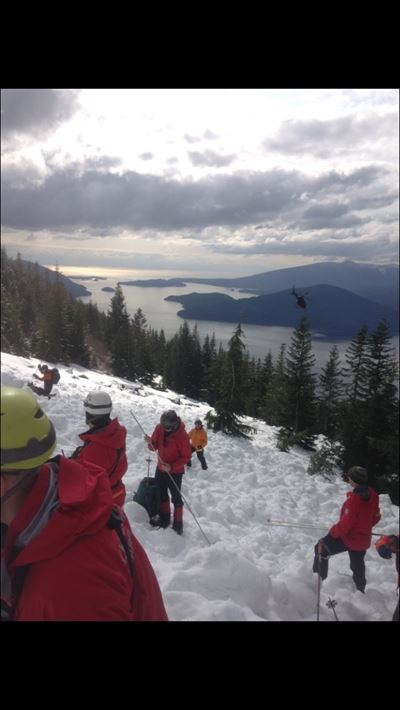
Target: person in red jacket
point(104, 442)
point(47, 381)
point(386, 546)
point(353, 533)
point(68, 553)
point(172, 443)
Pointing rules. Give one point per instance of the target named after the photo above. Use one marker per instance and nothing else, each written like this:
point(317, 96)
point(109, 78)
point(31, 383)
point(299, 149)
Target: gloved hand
point(385, 552)
point(386, 545)
point(36, 376)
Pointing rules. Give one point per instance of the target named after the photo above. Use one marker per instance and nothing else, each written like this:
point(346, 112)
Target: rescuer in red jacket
point(104, 442)
point(353, 533)
point(69, 554)
point(172, 443)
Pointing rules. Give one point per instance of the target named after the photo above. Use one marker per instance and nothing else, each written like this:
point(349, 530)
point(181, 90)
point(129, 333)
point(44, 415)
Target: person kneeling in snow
point(104, 443)
point(68, 553)
point(353, 533)
point(47, 381)
point(386, 546)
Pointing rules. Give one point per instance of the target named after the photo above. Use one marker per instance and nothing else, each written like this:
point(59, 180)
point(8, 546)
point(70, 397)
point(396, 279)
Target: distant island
point(108, 288)
point(334, 313)
point(155, 283)
point(88, 278)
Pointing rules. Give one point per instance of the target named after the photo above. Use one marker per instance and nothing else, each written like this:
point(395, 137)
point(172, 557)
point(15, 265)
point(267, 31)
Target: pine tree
point(330, 396)
point(274, 407)
point(300, 412)
point(232, 390)
point(354, 422)
point(381, 405)
point(119, 337)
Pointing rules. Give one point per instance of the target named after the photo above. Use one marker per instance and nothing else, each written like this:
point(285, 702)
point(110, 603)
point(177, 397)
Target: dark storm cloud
point(326, 138)
point(73, 199)
point(210, 159)
point(35, 112)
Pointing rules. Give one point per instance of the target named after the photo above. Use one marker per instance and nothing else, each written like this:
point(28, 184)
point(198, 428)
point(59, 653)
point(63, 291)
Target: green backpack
point(148, 495)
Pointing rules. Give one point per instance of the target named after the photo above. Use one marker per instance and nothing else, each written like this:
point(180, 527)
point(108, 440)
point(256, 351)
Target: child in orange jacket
point(198, 441)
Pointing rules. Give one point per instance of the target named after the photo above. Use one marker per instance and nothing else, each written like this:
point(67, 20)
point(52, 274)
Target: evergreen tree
point(354, 422)
point(300, 381)
point(119, 337)
point(381, 405)
point(142, 356)
point(274, 407)
point(232, 391)
point(330, 396)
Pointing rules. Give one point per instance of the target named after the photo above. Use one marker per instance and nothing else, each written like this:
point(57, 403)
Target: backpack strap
point(115, 523)
point(114, 468)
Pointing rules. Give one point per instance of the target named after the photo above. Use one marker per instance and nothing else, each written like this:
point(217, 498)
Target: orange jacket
point(198, 437)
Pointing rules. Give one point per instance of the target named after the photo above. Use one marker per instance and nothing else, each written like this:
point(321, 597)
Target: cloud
point(323, 139)
point(209, 135)
point(191, 139)
point(35, 112)
point(146, 156)
point(277, 211)
point(210, 159)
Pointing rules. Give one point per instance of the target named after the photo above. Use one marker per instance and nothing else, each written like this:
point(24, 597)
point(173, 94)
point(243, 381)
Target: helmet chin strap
point(25, 479)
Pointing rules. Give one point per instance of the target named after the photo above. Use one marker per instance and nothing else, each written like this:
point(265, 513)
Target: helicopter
point(301, 299)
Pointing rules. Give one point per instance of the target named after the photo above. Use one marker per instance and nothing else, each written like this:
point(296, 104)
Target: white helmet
point(98, 404)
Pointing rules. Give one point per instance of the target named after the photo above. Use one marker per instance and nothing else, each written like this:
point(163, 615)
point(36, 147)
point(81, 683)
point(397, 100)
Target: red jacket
point(360, 512)
point(77, 568)
point(47, 376)
point(106, 448)
point(173, 447)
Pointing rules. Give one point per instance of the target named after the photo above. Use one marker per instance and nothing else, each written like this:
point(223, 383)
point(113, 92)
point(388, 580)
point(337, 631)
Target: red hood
point(113, 435)
point(84, 507)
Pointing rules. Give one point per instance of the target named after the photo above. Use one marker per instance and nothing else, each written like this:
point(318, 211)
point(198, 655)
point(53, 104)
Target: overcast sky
point(221, 182)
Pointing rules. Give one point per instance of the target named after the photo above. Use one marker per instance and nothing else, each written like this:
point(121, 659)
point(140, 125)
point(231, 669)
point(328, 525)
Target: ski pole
point(148, 466)
point(138, 422)
point(285, 523)
point(320, 547)
point(184, 499)
point(331, 603)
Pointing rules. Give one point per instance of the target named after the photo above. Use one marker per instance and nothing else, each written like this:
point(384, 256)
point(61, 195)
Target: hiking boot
point(160, 521)
point(189, 463)
point(178, 526)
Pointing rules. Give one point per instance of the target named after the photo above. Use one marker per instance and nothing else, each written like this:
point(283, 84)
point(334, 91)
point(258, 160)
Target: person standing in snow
point(104, 443)
point(68, 553)
point(198, 441)
point(171, 441)
point(47, 381)
point(386, 546)
point(353, 533)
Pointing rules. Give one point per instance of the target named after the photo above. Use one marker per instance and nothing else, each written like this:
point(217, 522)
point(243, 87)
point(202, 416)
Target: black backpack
point(148, 495)
point(55, 376)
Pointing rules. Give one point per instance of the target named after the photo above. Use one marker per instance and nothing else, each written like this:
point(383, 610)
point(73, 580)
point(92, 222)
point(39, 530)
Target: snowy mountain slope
point(254, 570)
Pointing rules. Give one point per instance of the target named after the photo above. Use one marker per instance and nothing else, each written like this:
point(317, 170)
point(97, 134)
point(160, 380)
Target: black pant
point(165, 484)
point(45, 391)
point(333, 546)
point(200, 456)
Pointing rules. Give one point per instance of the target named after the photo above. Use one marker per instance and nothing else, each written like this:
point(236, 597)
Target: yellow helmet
point(27, 436)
